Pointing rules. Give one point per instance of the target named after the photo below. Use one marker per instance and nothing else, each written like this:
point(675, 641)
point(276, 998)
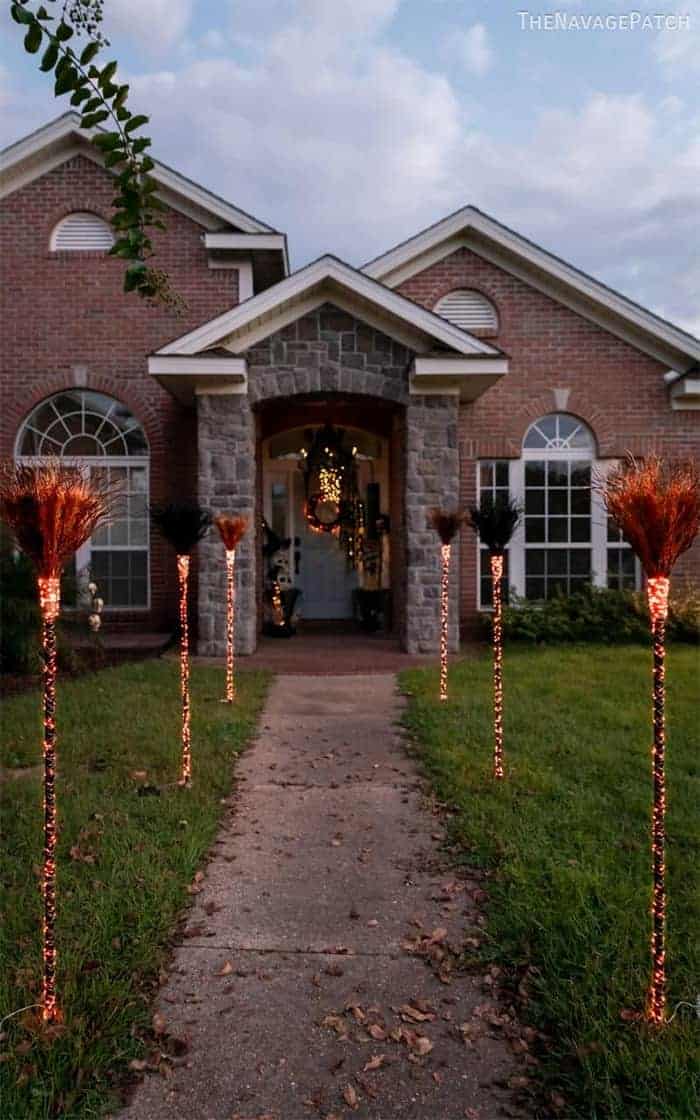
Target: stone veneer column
point(432, 479)
point(226, 448)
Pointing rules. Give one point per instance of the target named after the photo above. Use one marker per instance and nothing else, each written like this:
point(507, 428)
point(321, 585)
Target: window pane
point(580, 473)
point(534, 561)
point(558, 529)
point(580, 528)
point(558, 473)
point(534, 501)
point(557, 562)
point(580, 562)
point(558, 501)
point(534, 529)
point(581, 501)
point(534, 588)
point(485, 475)
point(138, 532)
point(534, 473)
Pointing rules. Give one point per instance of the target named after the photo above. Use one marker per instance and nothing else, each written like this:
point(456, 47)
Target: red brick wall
point(65, 310)
point(617, 390)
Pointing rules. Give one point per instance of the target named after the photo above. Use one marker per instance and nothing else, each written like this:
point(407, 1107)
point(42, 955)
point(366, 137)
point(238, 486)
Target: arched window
point(564, 539)
point(81, 231)
point(104, 436)
point(468, 309)
point(558, 451)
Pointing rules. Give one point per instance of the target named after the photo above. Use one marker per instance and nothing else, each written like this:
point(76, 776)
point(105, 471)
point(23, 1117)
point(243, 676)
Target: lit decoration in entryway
point(52, 509)
point(446, 525)
point(231, 530)
point(333, 503)
point(494, 521)
point(183, 525)
point(656, 505)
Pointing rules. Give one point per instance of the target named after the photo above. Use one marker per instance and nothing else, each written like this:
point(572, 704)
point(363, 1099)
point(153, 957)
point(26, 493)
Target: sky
point(353, 124)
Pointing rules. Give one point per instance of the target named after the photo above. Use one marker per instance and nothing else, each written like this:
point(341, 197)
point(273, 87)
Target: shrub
point(19, 613)
point(597, 614)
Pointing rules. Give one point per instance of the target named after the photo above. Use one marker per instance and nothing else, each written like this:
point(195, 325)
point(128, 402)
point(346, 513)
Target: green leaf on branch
point(114, 157)
point(80, 94)
point(65, 81)
point(43, 14)
point(135, 122)
point(122, 94)
point(107, 74)
point(32, 40)
point(20, 15)
point(89, 53)
point(140, 145)
point(107, 140)
point(63, 32)
point(49, 57)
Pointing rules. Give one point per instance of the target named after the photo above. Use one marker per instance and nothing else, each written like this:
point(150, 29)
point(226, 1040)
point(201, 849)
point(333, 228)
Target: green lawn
point(566, 842)
point(125, 861)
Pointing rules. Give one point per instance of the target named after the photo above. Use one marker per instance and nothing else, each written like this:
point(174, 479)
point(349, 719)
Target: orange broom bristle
point(52, 509)
point(657, 507)
point(231, 529)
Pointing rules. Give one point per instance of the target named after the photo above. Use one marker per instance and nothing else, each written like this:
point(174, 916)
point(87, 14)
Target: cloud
point(472, 48)
point(152, 25)
point(678, 50)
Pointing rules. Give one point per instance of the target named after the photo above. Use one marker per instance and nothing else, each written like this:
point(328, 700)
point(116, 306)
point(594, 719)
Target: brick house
point(465, 360)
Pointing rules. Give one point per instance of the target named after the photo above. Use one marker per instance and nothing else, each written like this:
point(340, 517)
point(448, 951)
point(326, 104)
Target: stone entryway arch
point(328, 355)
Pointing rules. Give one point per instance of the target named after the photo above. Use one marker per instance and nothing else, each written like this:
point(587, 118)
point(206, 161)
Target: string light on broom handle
point(656, 505)
point(230, 593)
point(183, 570)
point(49, 604)
point(496, 562)
point(445, 550)
point(657, 595)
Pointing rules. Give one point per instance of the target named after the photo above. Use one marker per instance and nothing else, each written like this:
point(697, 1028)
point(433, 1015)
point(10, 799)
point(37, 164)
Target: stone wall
point(226, 444)
point(329, 351)
point(432, 479)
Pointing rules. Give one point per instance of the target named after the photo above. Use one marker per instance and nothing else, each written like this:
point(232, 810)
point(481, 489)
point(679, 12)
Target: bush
point(598, 614)
point(19, 614)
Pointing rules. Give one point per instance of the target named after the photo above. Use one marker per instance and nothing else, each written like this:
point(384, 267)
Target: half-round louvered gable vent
point(81, 231)
point(468, 309)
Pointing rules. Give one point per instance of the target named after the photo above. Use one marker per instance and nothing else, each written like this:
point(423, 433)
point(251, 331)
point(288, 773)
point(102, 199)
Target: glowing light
point(496, 562)
point(657, 595)
point(445, 550)
point(52, 509)
point(230, 594)
point(278, 614)
point(330, 484)
point(183, 571)
point(49, 602)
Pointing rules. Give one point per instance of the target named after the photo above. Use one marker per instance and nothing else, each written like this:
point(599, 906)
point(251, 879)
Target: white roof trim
point(685, 393)
point(432, 244)
point(467, 377)
point(326, 278)
point(32, 156)
point(244, 241)
point(184, 378)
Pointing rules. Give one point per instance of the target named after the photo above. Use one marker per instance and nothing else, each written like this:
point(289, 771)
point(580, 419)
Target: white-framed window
point(564, 539)
point(468, 309)
point(102, 435)
point(81, 231)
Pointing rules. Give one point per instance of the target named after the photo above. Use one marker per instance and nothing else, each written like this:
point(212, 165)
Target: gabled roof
point(329, 279)
point(473, 229)
point(62, 138)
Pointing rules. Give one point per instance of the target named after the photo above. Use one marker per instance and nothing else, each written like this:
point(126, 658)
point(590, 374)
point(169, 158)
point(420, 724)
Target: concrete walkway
point(316, 974)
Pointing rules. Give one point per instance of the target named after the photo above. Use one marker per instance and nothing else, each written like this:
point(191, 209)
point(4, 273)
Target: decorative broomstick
point(657, 507)
point(183, 524)
point(446, 525)
point(52, 509)
point(494, 522)
point(231, 530)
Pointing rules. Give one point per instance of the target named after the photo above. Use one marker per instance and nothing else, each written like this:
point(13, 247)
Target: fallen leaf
point(423, 1046)
point(375, 1062)
point(376, 1032)
point(139, 775)
point(413, 1014)
point(350, 1097)
point(226, 969)
point(158, 1023)
point(138, 1065)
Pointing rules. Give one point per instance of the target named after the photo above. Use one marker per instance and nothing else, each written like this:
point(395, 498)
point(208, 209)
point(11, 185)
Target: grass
point(125, 861)
point(566, 839)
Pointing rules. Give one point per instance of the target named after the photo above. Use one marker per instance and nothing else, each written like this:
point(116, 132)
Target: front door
point(317, 565)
